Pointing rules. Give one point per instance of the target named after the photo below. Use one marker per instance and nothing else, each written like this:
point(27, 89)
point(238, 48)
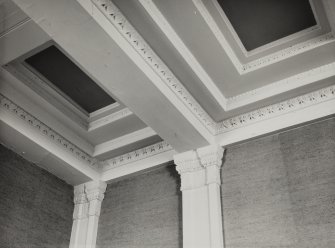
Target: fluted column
point(87, 200)
point(79, 226)
point(200, 184)
point(95, 194)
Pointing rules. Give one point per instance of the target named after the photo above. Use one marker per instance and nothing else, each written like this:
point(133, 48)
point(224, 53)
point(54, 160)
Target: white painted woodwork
point(87, 200)
point(200, 185)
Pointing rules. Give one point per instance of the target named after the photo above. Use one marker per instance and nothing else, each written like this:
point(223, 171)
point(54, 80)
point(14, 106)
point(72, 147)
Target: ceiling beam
point(109, 58)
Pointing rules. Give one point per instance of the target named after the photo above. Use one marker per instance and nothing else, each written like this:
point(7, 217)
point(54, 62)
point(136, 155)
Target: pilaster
point(200, 185)
point(87, 199)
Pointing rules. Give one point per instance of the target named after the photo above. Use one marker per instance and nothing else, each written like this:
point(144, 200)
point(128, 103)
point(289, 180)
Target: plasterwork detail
point(137, 155)
point(270, 111)
point(322, 71)
point(53, 136)
point(114, 15)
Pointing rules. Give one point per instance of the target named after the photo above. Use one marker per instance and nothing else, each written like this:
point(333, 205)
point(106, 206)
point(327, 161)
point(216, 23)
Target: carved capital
point(210, 156)
point(200, 167)
point(187, 162)
point(79, 194)
point(95, 190)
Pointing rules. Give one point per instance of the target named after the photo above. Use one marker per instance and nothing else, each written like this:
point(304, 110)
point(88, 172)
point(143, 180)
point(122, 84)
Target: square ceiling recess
point(69, 79)
point(259, 22)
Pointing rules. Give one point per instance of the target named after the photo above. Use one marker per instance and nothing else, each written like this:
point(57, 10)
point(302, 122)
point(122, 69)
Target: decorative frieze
point(53, 136)
point(137, 155)
point(277, 109)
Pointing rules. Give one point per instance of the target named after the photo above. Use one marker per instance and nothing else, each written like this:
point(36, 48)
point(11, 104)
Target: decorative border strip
point(118, 20)
point(11, 107)
point(277, 109)
point(137, 155)
point(282, 86)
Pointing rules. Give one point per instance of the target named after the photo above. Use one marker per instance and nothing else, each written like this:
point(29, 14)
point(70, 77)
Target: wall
point(35, 206)
point(143, 211)
point(279, 191)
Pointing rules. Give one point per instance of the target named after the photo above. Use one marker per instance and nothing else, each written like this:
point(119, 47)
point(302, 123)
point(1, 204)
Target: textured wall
point(279, 191)
point(35, 206)
point(142, 212)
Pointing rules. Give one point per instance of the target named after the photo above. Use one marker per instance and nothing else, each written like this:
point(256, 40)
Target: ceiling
point(268, 20)
point(66, 77)
point(156, 79)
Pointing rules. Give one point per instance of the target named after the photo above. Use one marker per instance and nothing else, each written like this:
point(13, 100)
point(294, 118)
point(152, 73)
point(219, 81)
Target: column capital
point(95, 190)
point(187, 162)
point(199, 167)
point(79, 194)
point(211, 156)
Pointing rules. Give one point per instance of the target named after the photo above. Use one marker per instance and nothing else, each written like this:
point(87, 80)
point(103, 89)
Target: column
point(87, 199)
point(200, 184)
point(95, 194)
point(79, 226)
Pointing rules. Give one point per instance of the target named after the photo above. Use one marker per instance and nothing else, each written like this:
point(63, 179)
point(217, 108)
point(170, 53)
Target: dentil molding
point(53, 136)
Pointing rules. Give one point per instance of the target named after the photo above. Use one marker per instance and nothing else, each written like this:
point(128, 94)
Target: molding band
point(137, 155)
point(53, 136)
point(293, 104)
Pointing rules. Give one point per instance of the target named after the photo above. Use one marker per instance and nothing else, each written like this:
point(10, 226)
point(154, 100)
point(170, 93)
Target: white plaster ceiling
point(174, 78)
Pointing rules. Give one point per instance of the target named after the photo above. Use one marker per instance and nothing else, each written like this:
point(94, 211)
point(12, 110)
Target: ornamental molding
point(134, 39)
point(210, 156)
point(137, 155)
point(281, 86)
point(187, 162)
point(293, 104)
point(199, 159)
point(48, 132)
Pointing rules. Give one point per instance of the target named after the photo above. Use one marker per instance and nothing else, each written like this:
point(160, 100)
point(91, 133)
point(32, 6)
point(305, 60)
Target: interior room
point(173, 124)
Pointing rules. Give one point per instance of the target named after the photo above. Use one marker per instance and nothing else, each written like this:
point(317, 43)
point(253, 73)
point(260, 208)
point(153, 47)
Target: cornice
point(244, 68)
point(281, 86)
point(137, 155)
point(293, 104)
point(119, 21)
point(52, 135)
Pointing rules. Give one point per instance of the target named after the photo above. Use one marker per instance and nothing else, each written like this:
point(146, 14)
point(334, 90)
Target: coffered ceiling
point(129, 83)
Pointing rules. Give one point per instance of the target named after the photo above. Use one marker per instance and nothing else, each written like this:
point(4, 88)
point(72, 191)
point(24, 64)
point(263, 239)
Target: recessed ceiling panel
point(259, 22)
point(69, 79)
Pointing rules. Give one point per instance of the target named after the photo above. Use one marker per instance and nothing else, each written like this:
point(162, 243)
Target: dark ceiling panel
point(69, 79)
point(259, 22)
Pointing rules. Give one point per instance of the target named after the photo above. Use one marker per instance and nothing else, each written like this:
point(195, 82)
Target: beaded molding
point(283, 107)
point(119, 21)
point(137, 155)
point(53, 136)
